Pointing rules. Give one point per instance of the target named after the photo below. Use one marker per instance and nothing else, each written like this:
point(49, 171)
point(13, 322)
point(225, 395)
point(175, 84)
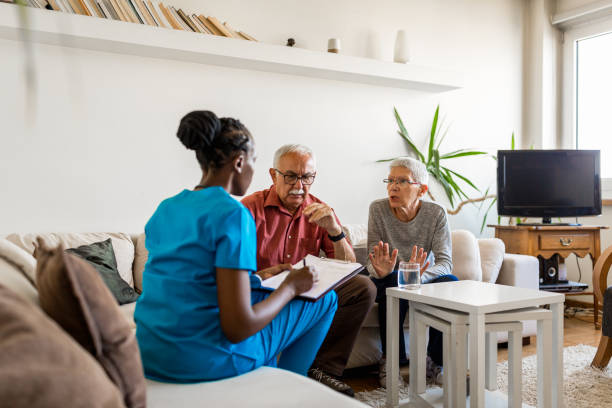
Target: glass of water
point(409, 275)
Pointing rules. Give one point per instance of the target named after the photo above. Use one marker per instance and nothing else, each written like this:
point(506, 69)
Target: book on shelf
point(136, 11)
point(54, 5)
point(158, 19)
point(85, 9)
point(109, 9)
point(331, 273)
point(174, 24)
point(210, 26)
point(232, 31)
point(219, 26)
point(187, 20)
point(127, 6)
point(178, 19)
point(198, 23)
point(94, 8)
point(76, 8)
point(246, 36)
point(119, 10)
point(145, 13)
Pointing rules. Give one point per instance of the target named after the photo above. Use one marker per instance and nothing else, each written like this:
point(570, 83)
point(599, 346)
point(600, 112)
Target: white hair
point(292, 148)
point(417, 168)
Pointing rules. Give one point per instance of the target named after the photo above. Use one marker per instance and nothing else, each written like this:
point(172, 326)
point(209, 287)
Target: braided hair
point(215, 140)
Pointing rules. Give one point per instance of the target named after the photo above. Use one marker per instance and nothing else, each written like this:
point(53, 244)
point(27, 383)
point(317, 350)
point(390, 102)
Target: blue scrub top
point(177, 314)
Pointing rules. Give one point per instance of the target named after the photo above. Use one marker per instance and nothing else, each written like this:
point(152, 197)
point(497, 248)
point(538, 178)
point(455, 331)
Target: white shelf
point(91, 33)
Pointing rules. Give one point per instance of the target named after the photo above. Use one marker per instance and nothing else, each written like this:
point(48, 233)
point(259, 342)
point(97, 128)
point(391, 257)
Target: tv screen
point(548, 183)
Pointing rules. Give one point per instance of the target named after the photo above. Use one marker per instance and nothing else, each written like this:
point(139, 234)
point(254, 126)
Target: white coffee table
point(477, 299)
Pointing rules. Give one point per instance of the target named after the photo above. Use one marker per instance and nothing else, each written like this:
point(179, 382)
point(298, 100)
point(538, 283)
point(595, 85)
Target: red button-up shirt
point(281, 236)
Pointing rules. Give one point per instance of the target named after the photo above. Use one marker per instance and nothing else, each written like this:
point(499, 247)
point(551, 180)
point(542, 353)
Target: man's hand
point(382, 262)
point(322, 215)
point(273, 270)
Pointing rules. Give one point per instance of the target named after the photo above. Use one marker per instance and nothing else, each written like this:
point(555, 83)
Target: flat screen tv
point(548, 183)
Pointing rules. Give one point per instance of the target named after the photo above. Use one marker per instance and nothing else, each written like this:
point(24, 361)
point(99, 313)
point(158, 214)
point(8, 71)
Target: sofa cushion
point(73, 294)
point(491, 257)
point(265, 387)
point(140, 259)
point(122, 245)
point(101, 256)
point(17, 270)
point(466, 256)
point(41, 366)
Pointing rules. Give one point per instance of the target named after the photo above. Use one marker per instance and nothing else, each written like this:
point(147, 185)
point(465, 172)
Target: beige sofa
point(483, 259)
point(473, 259)
point(265, 387)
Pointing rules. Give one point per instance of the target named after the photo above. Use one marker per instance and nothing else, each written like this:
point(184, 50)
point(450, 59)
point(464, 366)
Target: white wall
point(96, 150)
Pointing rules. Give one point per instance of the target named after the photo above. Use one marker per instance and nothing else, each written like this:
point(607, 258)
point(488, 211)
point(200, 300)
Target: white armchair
point(473, 259)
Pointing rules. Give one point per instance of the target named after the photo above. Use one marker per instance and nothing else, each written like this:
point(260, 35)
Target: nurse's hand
point(273, 270)
point(301, 280)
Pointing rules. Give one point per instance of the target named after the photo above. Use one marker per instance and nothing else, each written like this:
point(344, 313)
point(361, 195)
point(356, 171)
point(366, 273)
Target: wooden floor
point(578, 329)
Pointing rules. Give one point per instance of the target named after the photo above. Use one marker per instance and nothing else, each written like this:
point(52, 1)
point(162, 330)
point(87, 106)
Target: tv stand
point(548, 240)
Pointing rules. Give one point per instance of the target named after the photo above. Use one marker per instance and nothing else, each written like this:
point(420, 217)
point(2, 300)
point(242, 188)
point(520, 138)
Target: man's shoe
point(332, 382)
point(382, 373)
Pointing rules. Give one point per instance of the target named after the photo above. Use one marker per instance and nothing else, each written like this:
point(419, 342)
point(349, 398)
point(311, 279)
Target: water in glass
point(409, 275)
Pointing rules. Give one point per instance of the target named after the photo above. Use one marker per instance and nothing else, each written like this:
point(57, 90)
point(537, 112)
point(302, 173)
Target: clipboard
point(332, 273)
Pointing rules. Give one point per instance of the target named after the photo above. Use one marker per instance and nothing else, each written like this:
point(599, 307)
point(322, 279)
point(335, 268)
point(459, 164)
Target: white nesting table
point(477, 299)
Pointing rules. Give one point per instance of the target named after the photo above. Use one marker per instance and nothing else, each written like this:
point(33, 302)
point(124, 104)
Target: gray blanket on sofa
point(606, 326)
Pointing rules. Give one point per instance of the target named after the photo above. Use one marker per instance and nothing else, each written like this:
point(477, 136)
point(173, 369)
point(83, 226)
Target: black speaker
point(549, 269)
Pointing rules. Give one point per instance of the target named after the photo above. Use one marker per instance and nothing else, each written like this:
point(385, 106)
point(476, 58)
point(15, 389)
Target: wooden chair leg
point(604, 352)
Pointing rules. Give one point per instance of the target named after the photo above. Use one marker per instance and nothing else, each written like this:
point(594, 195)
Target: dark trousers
point(434, 348)
point(355, 299)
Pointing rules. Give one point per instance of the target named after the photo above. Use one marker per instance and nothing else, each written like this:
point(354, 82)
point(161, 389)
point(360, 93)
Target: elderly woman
point(403, 227)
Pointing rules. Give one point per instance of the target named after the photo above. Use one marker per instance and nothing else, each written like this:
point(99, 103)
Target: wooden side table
point(547, 240)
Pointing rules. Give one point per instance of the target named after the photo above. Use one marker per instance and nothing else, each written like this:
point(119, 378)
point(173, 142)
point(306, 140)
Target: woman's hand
point(419, 256)
point(273, 270)
point(382, 262)
point(301, 280)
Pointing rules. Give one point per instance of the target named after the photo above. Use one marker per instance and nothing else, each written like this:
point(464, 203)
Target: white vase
point(401, 52)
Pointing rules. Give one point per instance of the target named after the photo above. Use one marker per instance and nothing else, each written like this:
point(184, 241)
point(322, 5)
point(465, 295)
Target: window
point(587, 93)
point(594, 97)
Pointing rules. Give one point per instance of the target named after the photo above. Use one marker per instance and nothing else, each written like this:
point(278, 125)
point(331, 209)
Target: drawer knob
point(565, 241)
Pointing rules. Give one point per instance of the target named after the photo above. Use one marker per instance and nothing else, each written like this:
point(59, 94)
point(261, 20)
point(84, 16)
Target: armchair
point(604, 296)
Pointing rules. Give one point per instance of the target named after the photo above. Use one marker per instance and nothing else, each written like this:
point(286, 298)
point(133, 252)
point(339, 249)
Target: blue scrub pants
point(296, 332)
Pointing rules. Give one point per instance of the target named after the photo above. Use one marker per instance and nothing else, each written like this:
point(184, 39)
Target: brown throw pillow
point(73, 294)
point(42, 366)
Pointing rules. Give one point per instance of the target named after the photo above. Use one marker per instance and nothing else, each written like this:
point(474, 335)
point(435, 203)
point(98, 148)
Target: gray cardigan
point(429, 230)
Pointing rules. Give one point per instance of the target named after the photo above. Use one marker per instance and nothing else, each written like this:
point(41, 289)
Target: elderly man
point(291, 223)
point(402, 227)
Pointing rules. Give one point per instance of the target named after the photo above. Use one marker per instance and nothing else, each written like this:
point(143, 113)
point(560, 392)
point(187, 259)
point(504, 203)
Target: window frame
point(570, 40)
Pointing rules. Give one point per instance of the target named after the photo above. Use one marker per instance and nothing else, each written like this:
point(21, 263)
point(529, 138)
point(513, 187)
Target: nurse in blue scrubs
point(200, 316)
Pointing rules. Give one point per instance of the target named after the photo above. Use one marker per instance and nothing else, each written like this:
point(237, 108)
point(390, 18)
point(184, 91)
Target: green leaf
point(432, 134)
point(412, 146)
point(385, 160)
point(447, 188)
point(498, 219)
point(442, 138)
point(461, 153)
point(512, 143)
point(453, 184)
point(484, 220)
point(464, 179)
point(483, 201)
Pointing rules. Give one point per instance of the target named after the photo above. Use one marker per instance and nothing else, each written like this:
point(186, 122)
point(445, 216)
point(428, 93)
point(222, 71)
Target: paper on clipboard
point(331, 273)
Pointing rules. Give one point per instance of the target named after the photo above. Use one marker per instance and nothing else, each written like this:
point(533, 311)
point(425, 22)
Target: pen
point(304, 260)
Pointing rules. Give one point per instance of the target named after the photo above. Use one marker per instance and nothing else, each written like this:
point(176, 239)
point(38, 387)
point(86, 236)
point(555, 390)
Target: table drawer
point(560, 241)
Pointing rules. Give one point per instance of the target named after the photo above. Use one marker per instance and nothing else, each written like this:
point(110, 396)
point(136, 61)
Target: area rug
point(584, 386)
